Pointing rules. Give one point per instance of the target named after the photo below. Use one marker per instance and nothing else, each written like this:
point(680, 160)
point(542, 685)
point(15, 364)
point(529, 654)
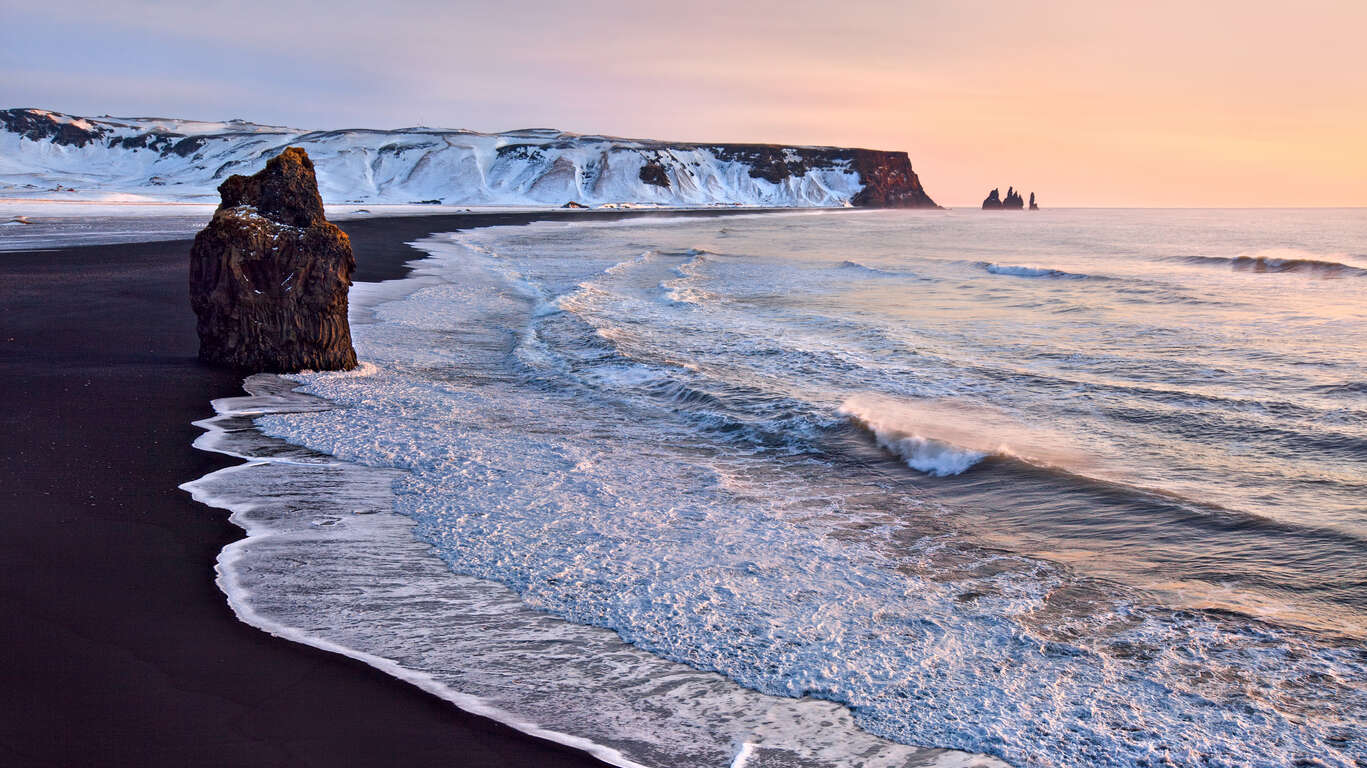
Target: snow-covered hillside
point(52, 155)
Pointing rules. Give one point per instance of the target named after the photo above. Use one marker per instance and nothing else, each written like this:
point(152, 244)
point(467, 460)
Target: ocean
point(1067, 488)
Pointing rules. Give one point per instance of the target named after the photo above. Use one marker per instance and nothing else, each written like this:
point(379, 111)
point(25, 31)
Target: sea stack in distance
point(994, 202)
point(269, 275)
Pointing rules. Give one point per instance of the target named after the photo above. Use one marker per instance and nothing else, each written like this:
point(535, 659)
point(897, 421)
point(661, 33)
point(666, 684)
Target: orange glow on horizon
point(1168, 103)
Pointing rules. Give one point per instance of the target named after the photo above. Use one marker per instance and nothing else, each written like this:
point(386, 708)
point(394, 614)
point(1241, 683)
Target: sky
point(1093, 103)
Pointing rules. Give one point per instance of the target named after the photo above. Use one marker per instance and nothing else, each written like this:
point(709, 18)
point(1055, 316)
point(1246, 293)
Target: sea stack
point(994, 201)
point(269, 276)
point(1033, 206)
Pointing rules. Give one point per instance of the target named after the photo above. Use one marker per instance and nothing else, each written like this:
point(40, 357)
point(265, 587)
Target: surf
point(857, 499)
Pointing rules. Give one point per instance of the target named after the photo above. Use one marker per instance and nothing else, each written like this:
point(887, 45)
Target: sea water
point(1067, 488)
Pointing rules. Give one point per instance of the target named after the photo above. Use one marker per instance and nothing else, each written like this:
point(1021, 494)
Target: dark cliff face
point(653, 172)
point(36, 125)
point(888, 179)
point(269, 276)
point(773, 162)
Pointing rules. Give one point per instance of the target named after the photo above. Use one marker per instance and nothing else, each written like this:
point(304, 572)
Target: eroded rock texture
point(889, 181)
point(269, 276)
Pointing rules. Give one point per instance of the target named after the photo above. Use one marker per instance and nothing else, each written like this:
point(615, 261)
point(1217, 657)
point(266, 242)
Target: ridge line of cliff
point(188, 155)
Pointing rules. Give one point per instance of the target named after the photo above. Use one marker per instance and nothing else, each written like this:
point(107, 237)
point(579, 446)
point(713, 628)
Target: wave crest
point(923, 454)
point(942, 438)
point(894, 428)
point(1031, 271)
point(854, 266)
point(1278, 260)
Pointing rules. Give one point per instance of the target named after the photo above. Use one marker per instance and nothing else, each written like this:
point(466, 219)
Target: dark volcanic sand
point(116, 647)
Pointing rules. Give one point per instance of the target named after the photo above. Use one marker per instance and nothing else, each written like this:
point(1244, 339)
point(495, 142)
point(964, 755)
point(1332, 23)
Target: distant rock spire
point(1013, 199)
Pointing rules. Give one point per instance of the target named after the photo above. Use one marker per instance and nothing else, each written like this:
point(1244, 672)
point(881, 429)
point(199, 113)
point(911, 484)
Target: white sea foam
point(943, 438)
point(928, 455)
point(280, 505)
point(321, 532)
point(635, 496)
point(1030, 271)
point(923, 454)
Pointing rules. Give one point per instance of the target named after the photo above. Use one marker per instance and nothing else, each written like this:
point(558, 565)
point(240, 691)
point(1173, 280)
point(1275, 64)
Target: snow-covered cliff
point(49, 154)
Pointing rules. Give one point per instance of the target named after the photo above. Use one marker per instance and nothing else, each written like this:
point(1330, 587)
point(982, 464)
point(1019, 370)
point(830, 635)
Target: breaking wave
point(943, 439)
point(1283, 260)
point(1030, 271)
point(924, 454)
point(864, 269)
point(721, 484)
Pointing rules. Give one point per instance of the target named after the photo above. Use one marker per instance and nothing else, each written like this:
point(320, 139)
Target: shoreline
point(29, 229)
point(112, 618)
point(536, 426)
point(100, 565)
point(308, 513)
point(347, 496)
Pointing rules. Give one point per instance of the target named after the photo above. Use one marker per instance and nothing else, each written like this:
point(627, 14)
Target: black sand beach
point(117, 647)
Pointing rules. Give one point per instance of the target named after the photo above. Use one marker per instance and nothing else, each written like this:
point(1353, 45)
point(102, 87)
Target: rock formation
point(40, 125)
point(653, 172)
point(1013, 200)
point(269, 276)
point(889, 181)
point(1033, 206)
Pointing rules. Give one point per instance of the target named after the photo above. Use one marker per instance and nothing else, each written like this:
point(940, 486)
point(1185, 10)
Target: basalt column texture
point(269, 276)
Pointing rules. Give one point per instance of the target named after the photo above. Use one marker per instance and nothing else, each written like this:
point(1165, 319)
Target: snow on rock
point(48, 154)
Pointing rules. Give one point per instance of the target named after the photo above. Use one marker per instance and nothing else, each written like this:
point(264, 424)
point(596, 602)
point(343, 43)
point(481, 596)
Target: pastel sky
point(1160, 103)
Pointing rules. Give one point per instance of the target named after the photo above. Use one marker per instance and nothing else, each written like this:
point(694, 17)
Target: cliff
point(49, 154)
point(889, 181)
point(269, 275)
